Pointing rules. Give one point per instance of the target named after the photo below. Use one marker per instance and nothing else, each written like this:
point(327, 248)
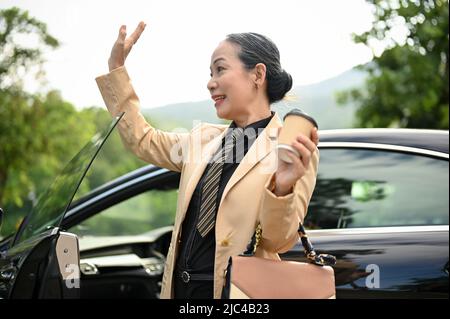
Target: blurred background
point(355, 63)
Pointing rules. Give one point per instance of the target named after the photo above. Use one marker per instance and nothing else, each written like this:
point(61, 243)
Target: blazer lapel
point(262, 147)
point(199, 165)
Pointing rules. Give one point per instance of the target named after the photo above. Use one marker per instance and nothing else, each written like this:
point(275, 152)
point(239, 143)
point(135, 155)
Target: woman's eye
point(218, 70)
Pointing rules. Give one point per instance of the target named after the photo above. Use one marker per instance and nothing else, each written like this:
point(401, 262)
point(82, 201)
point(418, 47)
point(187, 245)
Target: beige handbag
point(250, 277)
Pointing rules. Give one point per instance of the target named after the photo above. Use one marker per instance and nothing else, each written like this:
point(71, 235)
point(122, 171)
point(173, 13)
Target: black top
point(197, 253)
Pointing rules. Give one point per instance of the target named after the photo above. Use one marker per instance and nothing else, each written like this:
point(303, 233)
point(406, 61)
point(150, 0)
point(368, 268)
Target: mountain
point(317, 99)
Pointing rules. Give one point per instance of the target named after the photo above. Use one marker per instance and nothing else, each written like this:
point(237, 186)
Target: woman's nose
point(212, 84)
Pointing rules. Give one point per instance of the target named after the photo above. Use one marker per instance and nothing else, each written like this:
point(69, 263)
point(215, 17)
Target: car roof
point(433, 140)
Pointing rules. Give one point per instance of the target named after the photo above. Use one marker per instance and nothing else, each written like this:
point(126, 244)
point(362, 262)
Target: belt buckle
point(185, 277)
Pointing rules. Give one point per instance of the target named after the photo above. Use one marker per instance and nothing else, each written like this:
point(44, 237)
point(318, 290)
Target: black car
point(380, 205)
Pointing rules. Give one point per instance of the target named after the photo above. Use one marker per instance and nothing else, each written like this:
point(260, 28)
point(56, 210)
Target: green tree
point(17, 59)
point(19, 113)
point(407, 84)
point(39, 133)
point(38, 136)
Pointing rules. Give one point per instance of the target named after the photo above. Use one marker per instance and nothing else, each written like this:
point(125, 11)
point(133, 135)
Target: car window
point(136, 215)
point(52, 204)
point(370, 188)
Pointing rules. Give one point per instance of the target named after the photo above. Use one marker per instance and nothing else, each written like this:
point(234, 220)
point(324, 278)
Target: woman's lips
point(219, 102)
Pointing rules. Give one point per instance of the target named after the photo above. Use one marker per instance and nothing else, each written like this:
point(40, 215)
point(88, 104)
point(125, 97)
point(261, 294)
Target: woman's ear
point(260, 74)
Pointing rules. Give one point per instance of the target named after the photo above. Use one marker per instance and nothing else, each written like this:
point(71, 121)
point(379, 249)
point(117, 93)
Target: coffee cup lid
point(303, 114)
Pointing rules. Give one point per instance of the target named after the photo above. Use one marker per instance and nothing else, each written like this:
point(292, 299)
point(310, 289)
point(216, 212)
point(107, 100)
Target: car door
point(40, 260)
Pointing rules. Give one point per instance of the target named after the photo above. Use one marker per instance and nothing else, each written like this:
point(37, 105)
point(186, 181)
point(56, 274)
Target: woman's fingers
point(310, 145)
point(304, 152)
point(117, 58)
point(315, 136)
point(122, 33)
point(297, 166)
point(137, 33)
point(295, 159)
point(132, 39)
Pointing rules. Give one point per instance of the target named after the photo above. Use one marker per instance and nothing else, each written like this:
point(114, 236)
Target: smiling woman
point(214, 218)
point(246, 77)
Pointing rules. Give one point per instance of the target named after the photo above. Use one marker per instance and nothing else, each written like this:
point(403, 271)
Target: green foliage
point(408, 83)
point(23, 134)
point(17, 59)
point(38, 136)
point(40, 133)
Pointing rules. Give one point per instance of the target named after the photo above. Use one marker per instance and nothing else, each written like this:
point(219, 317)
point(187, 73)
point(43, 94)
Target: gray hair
point(256, 48)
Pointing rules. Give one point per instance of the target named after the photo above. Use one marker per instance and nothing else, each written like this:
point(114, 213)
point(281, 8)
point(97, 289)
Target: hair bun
point(288, 81)
point(278, 86)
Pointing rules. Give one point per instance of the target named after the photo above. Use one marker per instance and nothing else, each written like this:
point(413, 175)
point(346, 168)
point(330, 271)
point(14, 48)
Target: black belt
point(187, 276)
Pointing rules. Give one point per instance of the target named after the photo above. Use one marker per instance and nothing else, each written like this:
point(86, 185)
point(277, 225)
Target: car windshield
point(51, 206)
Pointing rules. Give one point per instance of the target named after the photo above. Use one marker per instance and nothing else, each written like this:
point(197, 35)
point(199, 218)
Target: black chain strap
point(313, 257)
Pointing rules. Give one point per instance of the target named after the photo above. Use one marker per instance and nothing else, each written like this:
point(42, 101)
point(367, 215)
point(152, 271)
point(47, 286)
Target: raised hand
point(123, 45)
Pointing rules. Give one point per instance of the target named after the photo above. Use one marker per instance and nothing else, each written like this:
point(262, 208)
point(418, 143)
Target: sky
point(170, 62)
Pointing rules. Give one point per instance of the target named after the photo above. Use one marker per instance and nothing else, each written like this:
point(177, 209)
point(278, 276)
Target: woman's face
point(231, 86)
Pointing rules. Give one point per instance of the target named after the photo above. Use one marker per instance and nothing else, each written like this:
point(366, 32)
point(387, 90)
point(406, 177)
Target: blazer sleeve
point(280, 216)
point(163, 149)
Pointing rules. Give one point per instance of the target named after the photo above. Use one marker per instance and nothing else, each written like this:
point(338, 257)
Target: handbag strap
point(313, 257)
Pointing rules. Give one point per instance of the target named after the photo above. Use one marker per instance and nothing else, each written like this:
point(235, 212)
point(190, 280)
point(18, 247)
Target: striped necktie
point(210, 187)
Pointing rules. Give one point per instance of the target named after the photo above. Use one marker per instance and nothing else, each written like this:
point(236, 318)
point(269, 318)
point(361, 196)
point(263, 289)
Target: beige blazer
point(247, 199)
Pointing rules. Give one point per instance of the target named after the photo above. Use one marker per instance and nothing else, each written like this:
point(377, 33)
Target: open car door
point(41, 261)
